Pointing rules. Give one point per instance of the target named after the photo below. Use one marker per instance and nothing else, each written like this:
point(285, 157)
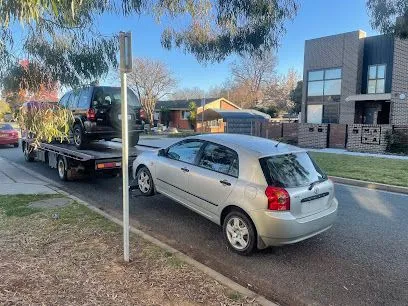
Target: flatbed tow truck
point(71, 163)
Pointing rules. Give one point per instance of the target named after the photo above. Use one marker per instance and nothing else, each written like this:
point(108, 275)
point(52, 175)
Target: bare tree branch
point(152, 80)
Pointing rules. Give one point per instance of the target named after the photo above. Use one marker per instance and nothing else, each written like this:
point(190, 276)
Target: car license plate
point(120, 117)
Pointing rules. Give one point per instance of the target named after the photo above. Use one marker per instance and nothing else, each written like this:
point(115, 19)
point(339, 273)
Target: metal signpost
point(202, 114)
point(125, 41)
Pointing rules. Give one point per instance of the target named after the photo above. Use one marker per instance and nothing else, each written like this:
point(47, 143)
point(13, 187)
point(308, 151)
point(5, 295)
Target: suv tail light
point(142, 114)
point(278, 198)
point(90, 114)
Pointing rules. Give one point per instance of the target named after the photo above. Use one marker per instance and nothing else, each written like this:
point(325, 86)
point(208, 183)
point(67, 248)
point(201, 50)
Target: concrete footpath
point(16, 181)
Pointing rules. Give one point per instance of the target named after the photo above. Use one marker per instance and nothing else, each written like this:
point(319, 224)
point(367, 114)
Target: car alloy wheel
point(237, 233)
point(145, 182)
point(27, 153)
point(77, 136)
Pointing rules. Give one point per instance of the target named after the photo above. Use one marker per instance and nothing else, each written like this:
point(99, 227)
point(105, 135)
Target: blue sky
point(316, 18)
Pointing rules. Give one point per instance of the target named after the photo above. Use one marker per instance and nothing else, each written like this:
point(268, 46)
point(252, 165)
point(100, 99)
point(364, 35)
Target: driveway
point(362, 260)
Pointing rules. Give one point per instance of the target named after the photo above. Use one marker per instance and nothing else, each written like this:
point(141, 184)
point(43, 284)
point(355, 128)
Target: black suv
point(97, 113)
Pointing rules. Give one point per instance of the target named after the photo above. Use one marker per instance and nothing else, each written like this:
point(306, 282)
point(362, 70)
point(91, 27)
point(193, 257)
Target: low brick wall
point(273, 130)
point(367, 138)
point(337, 136)
point(312, 135)
point(290, 132)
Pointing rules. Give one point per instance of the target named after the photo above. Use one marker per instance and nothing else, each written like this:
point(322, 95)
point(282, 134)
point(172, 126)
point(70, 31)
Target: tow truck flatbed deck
point(71, 163)
point(97, 150)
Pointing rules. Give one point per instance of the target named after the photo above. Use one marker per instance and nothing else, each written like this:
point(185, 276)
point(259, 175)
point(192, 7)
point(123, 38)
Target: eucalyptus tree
point(62, 42)
point(389, 16)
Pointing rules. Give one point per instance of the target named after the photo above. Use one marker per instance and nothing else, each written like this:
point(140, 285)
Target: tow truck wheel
point(27, 154)
point(62, 168)
point(134, 139)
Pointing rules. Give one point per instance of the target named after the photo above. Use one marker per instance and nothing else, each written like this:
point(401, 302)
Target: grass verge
point(373, 169)
point(76, 259)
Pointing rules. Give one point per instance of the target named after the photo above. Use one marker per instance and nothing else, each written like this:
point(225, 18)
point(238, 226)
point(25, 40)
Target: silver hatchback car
point(263, 193)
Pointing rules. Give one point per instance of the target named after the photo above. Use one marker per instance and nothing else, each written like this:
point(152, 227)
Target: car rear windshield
point(291, 170)
point(112, 95)
point(5, 127)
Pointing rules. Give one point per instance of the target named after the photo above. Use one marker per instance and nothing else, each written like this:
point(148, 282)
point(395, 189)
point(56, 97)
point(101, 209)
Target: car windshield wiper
point(316, 182)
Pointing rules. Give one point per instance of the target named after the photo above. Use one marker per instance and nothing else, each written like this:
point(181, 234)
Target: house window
point(185, 115)
point(314, 113)
point(376, 79)
point(324, 85)
point(213, 123)
point(331, 113)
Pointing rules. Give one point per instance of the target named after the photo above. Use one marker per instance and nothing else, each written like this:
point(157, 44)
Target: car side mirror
point(162, 152)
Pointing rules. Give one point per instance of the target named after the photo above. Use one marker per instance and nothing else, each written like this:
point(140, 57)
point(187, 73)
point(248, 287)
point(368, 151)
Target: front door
point(369, 114)
point(214, 177)
point(173, 169)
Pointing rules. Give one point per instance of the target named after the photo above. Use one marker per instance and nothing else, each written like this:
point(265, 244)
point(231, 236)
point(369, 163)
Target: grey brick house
point(353, 79)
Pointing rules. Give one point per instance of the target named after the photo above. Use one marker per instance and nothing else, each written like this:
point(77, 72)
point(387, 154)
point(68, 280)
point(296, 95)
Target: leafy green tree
point(4, 109)
point(271, 111)
point(165, 116)
point(64, 44)
point(389, 16)
point(192, 117)
point(296, 97)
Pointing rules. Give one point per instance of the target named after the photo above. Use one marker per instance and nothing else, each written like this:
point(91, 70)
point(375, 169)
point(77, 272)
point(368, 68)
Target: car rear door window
point(64, 100)
point(5, 127)
point(291, 170)
point(185, 151)
point(220, 159)
point(73, 100)
point(85, 98)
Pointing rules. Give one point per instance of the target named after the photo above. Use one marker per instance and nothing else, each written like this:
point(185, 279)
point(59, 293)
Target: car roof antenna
point(280, 140)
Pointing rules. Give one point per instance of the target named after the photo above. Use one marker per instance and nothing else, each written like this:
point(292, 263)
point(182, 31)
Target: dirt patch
point(50, 203)
point(77, 259)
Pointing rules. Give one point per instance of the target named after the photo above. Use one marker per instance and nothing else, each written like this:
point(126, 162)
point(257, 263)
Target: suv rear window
point(106, 96)
point(291, 170)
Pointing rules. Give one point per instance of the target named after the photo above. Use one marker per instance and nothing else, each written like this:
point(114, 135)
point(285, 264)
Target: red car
point(8, 135)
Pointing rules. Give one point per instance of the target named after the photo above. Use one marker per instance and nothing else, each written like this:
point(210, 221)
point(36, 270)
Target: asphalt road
point(362, 260)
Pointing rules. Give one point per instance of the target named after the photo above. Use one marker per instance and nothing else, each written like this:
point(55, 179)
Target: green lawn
point(374, 169)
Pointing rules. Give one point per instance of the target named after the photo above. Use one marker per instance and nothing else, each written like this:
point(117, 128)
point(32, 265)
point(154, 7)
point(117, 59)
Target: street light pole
point(125, 40)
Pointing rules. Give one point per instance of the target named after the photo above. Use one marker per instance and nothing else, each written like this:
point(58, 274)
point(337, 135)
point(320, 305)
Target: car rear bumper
point(92, 129)
point(280, 228)
point(8, 140)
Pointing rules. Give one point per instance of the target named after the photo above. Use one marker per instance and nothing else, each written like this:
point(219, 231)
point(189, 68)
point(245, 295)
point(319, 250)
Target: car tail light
point(278, 198)
point(90, 114)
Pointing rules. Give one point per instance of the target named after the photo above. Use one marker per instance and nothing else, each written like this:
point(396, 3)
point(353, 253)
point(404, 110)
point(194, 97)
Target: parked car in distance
point(263, 193)
point(8, 135)
point(97, 114)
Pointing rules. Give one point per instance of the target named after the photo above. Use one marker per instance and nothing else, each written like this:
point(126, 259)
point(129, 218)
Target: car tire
point(16, 145)
point(62, 168)
point(28, 155)
point(145, 181)
point(134, 139)
point(239, 233)
point(80, 141)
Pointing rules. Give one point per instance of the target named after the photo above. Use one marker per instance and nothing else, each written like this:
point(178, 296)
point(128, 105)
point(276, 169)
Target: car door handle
point(225, 183)
point(185, 170)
